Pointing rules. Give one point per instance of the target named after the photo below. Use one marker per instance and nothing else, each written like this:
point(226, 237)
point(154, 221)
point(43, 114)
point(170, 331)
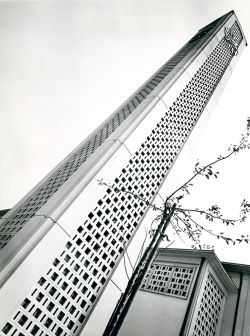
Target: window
point(48, 322)
point(40, 296)
point(76, 267)
point(74, 295)
point(86, 263)
point(77, 254)
point(85, 276)
point(80, 229)
point(7, 328)
point(75, 281)
point(81, 318)
point(79, 242)
point(68, 245)
point(70, 325)
point(56, 262)
point(64, 285)
point(94, 284)
point(60, 316)
point(52, 291)
point(62, 300)
point(88, 239)
point(59, 331)
point(54, 276)
point(89, 227)
point(99, 213)
point(83, 303)
point(37, 313)
point(92, 299)
point(22, 320)
point(25, 303)
point(50, 306)
point(34, 330)
point(41, 281)
point(72, 309)
point(66, 271)
point(96, 259)
point(91, 215)
point(169, 280)
point(67, 258)
point(84, 289)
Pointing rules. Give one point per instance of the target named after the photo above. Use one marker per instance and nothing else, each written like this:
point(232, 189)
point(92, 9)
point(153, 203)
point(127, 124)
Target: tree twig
point(203, 212)
point(201, 170)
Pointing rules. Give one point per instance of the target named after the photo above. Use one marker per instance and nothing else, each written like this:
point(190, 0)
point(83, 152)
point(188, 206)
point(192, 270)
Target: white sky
point(66, 66)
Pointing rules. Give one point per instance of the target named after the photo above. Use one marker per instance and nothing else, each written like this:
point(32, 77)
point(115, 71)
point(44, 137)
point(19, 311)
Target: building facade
point(189, 292)
point(69, 232)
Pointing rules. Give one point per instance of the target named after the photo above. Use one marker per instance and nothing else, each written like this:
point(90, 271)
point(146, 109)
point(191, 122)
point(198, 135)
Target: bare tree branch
point(209, 215)
point(198, 171)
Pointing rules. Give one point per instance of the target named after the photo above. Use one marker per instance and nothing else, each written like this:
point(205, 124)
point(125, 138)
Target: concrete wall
point(227, 323)
point(242, 326)
point(154, 314)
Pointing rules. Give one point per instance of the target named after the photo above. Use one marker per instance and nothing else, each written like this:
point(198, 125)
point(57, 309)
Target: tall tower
point(62, 242)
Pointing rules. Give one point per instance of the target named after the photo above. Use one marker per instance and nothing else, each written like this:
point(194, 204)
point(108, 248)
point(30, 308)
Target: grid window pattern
point(54, 307)
point(30, 207)
point(169, 280)
point(210, 309)
point(71, 286)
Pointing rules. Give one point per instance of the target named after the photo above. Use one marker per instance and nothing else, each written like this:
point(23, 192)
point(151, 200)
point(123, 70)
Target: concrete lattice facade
point(85, 227)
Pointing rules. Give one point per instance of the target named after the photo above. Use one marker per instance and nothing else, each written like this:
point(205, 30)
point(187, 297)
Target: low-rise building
point(190, 292)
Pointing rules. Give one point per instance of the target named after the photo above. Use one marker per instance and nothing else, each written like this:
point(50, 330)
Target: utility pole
point(134, 282)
